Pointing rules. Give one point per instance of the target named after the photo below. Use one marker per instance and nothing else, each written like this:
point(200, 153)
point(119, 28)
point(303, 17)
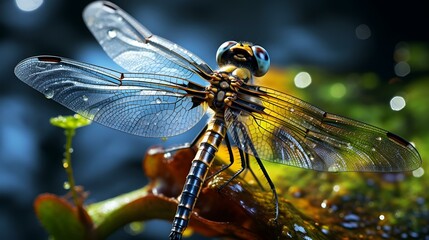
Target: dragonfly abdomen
point(202, 161)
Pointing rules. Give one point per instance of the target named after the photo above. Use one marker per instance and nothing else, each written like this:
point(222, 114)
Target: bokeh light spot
point(418, 172)
point(402, 52)
point(397, 103)
point(28, 5)
point(338, 90)
point(302, 80)
point(402, 69)
point(363, 32)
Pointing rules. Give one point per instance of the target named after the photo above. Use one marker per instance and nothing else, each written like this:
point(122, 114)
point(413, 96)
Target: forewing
point(286, 130)
point(148, 105)
point(135, 48)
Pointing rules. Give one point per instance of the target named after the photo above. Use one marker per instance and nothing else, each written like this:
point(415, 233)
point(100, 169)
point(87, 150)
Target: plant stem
point(69, 132)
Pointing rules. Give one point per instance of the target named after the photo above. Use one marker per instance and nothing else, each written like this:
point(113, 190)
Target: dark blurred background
point(338, 37)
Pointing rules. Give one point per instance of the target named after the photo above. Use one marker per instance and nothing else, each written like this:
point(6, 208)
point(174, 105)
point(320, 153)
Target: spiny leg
point(245, 164)
point(267, 176)
point(242, 160)
point(248, 168)
point(249, 146)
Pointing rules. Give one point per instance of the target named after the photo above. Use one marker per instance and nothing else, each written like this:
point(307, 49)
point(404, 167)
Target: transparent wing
point(135, 48)
point(284, 129)
point(148, 105)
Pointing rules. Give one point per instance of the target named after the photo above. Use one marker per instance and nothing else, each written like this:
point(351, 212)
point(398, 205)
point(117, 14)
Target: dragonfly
point(159, 96)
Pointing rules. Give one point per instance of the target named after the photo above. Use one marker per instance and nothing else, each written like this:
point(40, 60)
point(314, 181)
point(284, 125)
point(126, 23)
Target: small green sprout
point(70, 124)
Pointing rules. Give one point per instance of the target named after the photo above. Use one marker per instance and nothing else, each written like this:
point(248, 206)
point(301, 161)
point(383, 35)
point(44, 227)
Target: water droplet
point(378, 139)
point(41, 66)
point(373, 149)
point(49, 93)
point(158, 100)
point(111, 33)
point(70, 150)
point(84, 98)
point(292, 110)
point(65, 163)
point(66, 185)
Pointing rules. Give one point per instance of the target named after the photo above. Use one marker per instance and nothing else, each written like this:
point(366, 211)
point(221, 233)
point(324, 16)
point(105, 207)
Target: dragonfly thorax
point(225, 84)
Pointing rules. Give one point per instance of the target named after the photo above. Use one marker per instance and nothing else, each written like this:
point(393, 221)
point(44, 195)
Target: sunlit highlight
point(302, 80)
point(336, 188)
point(397, 103)
point(28, 5)
point(324, 204)
point(135, 228)
point(418, 172)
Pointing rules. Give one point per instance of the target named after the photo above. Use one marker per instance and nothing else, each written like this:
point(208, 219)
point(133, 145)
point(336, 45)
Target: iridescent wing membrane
point(136, 49)
point(280, 128)
point(144, 104)
point(157, 100)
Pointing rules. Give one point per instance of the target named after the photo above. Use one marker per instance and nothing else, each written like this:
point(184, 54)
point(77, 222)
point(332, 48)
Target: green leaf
point(61, 219)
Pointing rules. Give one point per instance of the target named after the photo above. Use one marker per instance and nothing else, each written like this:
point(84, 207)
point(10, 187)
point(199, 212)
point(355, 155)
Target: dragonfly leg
point(248, 168)
point(267, 176)
point(250, 148)
point(245, 165)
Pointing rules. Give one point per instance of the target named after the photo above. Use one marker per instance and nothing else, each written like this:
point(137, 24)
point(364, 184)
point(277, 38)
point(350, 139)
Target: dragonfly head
point(244, 54)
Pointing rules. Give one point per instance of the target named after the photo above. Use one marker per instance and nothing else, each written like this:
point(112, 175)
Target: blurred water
point(319, 33)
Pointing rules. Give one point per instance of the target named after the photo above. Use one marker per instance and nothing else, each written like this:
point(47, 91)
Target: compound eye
point(221, 50)
point(263, 60)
